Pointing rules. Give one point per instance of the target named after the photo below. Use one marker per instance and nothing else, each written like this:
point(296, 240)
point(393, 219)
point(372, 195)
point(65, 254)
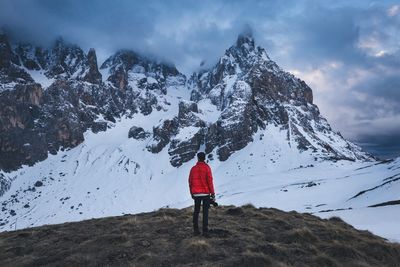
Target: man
point(202, 191)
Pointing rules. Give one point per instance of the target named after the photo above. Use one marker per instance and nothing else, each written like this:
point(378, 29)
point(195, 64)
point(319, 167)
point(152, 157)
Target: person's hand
point(212, 197)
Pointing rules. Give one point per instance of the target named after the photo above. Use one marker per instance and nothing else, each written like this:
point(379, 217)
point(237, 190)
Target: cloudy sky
point(347, 51)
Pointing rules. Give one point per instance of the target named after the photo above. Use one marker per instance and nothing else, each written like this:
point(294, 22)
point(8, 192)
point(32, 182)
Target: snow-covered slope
point(111, 174)
point(93, 143)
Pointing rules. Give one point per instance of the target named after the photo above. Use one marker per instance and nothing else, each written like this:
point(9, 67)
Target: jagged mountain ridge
point(62, 89)
point(68, 97)
point(128, 66)
point(61, 61)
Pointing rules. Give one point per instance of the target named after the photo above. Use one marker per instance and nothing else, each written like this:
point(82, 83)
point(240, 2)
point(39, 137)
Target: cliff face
point(93, 75)
point(18, 141)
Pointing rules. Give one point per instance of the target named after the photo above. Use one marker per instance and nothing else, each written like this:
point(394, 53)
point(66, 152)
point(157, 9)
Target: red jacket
point(200, 179)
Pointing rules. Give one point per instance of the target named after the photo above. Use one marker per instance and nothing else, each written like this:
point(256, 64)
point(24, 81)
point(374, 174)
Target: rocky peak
point(119, 65)
point(125, 58)
point(250, 63)
point(61, 49)
point(10, 71)
point(245, 39)
point(29, 56)
point(20, 62)
point(127, 68)
point(65, 60)
point(132, 61)
point(253, 92)
point(59, 43)
point(6, 54)
point(93, 75)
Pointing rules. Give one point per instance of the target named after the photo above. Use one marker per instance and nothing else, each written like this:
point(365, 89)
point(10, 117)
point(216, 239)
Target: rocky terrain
point(240, 236)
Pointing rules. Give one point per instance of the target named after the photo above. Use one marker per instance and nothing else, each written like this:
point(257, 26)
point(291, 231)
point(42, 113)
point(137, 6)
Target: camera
point(213, 202)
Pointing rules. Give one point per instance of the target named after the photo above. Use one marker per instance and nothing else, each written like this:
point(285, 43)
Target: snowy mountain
point(78, 142)
point(63, 95)
point(253, 93)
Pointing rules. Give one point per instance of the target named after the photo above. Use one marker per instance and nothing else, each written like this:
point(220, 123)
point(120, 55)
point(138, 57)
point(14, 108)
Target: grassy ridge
point(241, 236)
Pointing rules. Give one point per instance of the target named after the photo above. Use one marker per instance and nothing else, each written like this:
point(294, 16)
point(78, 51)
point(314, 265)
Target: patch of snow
point(186, 133)
point(151, 80)
point(207, 111)
point(39, 77)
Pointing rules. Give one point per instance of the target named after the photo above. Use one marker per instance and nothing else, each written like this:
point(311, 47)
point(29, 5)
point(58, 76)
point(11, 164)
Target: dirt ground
point(239, 236)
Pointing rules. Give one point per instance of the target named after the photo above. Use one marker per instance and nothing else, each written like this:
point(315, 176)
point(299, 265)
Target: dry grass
point(240, 236)
point(197, 249)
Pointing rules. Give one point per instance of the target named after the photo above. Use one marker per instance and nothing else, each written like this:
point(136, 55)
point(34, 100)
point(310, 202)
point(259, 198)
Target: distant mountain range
point(51, 97)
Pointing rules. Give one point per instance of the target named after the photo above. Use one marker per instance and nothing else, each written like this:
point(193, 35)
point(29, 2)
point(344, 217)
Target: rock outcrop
point(138, 133)
point(93, 74)
point(10, 71)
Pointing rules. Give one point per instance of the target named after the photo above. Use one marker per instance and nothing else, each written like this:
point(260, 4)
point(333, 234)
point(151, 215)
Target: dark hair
point(201, 156)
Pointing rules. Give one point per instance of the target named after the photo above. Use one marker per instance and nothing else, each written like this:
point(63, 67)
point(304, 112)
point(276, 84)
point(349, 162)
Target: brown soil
point(240, 236)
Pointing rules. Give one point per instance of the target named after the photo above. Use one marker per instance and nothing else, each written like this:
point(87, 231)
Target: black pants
point(206, 206)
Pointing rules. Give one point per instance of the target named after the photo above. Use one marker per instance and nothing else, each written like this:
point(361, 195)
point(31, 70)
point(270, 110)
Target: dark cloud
point(351, 57)
point(348, 51)
point(381, 145)
point(387, 89)
point(334, 30)
point(180, 31)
